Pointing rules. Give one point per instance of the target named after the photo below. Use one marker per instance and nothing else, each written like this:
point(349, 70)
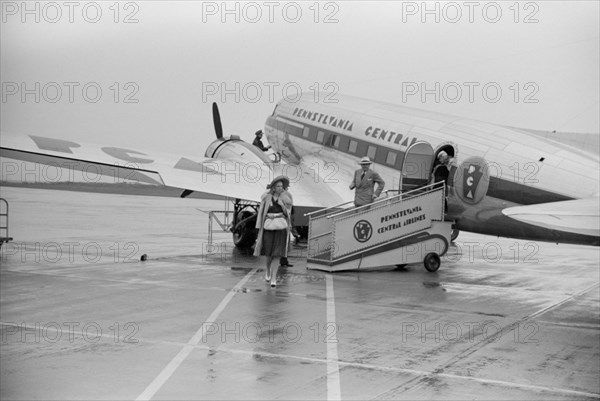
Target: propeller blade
point(217, 121)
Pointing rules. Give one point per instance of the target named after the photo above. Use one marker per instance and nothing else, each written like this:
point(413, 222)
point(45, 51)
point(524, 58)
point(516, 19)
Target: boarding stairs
point(404, 228)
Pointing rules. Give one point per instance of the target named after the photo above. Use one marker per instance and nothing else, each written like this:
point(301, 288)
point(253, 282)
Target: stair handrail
point(401, 195)
point(420, 189)
point(327, 208)
point(5, 227)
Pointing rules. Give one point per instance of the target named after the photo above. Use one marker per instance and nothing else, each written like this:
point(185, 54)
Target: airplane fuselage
point(521, 169)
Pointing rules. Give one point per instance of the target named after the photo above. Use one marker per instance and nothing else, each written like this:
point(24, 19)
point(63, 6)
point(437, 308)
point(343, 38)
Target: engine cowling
point(234, 148)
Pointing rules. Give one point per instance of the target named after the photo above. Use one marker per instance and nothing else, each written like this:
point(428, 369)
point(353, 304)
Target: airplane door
point(416, 166)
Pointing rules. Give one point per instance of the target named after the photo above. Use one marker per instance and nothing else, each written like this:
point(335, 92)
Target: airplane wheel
point(302, 231)
point(245, 235)
point(454, 234)
point(432, 262)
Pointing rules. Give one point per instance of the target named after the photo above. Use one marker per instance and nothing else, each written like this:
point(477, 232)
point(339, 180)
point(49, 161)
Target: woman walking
point(273, 222)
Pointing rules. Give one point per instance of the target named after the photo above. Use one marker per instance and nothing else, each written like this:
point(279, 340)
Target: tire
point(244, 236)
point(454, 234)
point(302, 231)
point(432, 262)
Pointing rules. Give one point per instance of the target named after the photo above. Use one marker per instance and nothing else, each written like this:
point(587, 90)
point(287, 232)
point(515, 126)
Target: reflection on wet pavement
point(519, 323)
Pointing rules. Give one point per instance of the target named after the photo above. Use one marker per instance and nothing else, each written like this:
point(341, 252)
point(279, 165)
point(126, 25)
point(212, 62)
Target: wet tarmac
point(83, 318)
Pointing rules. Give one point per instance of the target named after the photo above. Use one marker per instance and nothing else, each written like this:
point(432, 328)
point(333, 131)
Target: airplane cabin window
point(320, 136)
point(371, 151)
point(352, 146)
point(336, 141)
point(305, 132)
point(391, 158)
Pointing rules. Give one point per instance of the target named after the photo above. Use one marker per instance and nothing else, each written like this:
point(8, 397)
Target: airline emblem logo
point(472, 180)
point(363, 231)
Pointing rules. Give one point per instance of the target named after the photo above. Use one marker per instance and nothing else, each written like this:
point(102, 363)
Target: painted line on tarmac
point(392, 369)
point(333, 370)
point(168, 371)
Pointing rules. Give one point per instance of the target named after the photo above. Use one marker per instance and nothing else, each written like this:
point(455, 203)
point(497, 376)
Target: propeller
point(217, 121)
point(218, 132)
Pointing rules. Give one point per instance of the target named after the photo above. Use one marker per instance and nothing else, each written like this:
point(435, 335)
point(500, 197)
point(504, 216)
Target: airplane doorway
point(416, 166)
point(449, 149)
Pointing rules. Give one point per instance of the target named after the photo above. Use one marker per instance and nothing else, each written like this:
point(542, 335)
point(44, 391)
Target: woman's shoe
point(267, 279)
point(273, 284)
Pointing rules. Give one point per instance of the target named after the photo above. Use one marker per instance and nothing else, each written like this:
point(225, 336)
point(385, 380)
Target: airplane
point(503, 181)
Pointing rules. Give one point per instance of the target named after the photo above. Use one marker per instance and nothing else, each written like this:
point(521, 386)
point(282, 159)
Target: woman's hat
point(259, 132)
point(283, 179)
point(365, 160)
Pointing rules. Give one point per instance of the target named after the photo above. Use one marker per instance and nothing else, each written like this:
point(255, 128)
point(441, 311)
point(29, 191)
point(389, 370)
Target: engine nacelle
point(234, 148)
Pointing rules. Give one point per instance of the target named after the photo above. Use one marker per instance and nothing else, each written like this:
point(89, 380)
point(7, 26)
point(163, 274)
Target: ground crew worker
point(258, 143)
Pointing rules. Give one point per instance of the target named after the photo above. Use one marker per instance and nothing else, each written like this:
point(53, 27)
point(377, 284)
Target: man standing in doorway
point(364, 181)
point(441, 173)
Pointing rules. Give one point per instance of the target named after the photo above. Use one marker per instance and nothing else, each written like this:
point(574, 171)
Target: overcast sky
point(158, 64)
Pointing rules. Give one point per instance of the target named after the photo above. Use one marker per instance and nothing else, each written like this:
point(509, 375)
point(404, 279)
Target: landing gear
point(244, 223)
point(454, 234)
point(301, 233)
point(432, 262)
point(244, 233)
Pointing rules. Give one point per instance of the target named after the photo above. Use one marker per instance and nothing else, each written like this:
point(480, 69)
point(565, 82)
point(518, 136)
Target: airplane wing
point(240, 175)
point(580, 216)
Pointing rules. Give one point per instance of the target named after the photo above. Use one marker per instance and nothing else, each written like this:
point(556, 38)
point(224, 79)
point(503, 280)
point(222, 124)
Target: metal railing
point(225, 225)
point(4, 227)
point(323, 221)
point(401, 194)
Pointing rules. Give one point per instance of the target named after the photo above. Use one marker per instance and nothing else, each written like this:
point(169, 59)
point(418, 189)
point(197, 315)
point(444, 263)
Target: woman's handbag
point(275, 221)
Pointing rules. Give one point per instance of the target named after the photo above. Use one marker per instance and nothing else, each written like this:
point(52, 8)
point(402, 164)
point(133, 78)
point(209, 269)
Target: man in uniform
point(258, 143)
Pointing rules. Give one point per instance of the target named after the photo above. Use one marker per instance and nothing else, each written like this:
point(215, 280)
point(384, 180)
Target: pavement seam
point(334, 391)
point(476, 347)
